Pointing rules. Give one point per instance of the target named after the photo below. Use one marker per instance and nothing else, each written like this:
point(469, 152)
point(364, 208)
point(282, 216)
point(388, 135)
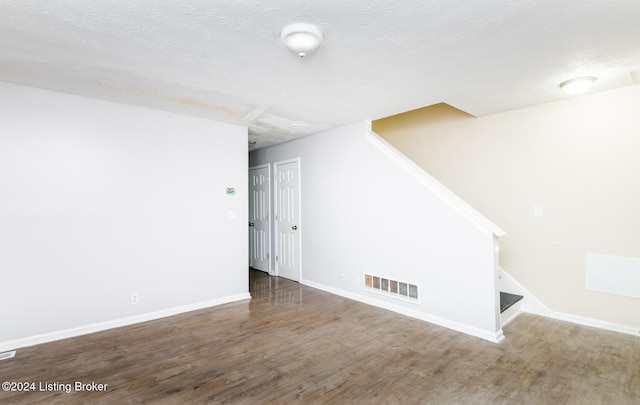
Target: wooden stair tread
point(507, 300)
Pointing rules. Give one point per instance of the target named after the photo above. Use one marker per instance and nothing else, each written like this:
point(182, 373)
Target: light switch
point(231, 214)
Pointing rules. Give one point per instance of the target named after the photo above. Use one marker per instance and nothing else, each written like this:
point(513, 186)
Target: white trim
point(270, 236)
point(463, 209)
point(590, 322)
point(116, 323)
point(496, 337)
point(529, 302)
point(510, 314)
point(532, 305)
point(275, 207)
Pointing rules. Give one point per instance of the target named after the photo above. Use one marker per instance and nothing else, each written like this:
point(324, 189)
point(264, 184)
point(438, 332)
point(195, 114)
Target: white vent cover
point(394, 288)
point(7, 355)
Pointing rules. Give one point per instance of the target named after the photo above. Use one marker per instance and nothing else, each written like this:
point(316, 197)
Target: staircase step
point(507, 300)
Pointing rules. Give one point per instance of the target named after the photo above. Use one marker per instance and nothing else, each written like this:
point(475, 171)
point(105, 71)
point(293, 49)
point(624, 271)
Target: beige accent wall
point(578, 159)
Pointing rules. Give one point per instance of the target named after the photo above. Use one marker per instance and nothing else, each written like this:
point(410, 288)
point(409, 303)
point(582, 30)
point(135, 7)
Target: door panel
point(259, 236)
point(288, 219)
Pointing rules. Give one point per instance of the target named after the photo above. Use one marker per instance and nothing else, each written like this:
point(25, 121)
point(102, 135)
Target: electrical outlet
point(135, 298)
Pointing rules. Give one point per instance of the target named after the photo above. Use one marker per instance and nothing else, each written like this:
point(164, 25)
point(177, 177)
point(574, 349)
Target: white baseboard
point(590, 322)
point(494, 337)
point(532, 305)
point(116, 323)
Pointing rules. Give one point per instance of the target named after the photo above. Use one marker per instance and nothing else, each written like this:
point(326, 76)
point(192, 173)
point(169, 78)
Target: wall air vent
point(397, 289)
point(7, 355)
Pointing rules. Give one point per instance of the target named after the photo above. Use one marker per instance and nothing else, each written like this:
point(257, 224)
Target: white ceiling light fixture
point(579, 85)
point(301, 38)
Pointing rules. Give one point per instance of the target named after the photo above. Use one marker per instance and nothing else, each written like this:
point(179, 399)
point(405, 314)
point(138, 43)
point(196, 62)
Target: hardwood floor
point(296, 344)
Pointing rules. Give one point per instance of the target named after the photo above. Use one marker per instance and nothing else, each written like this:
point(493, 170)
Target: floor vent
point(394, 288)
point(7, 355)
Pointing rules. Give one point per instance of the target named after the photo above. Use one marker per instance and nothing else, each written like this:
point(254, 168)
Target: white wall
point(362, 213)
point(577, 158)
point(99, 200)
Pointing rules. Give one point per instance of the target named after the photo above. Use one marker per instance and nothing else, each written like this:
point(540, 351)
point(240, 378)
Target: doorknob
point(295, 227)
point(251, 224)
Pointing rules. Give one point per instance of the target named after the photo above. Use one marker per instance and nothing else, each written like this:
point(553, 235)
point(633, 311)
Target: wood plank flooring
point(295, 344)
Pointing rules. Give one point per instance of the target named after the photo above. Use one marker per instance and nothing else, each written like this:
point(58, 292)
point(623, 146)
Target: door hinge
point(276, 258)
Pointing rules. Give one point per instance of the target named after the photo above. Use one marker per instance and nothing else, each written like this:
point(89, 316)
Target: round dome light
point(301, 38)
point(578, 85)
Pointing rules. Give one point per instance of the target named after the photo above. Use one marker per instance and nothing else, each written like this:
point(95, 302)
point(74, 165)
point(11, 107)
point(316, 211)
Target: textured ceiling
point(223, 60)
